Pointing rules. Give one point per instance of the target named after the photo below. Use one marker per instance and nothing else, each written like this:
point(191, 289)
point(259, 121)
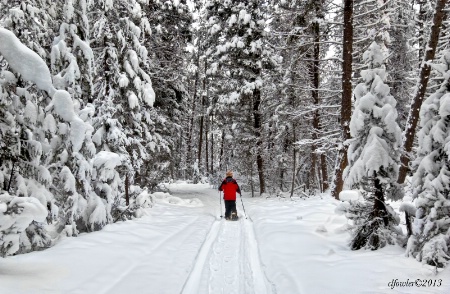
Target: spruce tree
point(24, 178)
point(373, 156)
point(431, 228)
point(239, 58)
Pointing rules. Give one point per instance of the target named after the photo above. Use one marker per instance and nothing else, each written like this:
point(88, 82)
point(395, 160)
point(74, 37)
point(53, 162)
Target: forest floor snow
point(183, 246)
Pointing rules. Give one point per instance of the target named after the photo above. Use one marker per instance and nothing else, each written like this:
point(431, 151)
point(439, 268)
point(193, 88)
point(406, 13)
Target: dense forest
point(103, 100)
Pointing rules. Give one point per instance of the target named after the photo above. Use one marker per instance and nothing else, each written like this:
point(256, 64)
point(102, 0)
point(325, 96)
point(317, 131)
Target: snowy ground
point(183, 247)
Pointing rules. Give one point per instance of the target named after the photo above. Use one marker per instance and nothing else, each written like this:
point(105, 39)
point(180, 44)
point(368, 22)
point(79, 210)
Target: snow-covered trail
point(183, 246)
point(153, 254)
point(228, 261)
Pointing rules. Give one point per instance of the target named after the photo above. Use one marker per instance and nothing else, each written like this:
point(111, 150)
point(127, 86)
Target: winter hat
point(229, 173)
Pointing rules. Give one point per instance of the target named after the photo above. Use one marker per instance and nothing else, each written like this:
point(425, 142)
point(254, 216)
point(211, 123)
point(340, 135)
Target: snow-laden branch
point(25, 61)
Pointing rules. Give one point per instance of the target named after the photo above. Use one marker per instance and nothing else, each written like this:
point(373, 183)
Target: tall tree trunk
point(207, 145)
point(222, 146)
point(212, 144)
point(323, 167)
point(424, 76)
point(346, 107)
point(315, 130)
point(191, 123)
point(127, 186)
point(202, 118)
point(200, 138)
point(315, 75)
point(252, 187)
point(379, 207)
point(421, 29)
point(294, 163)
point(257, 126)
point(285, 150)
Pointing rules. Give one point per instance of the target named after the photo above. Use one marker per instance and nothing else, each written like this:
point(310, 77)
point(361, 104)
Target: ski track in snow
point(183, 248)
point(228, 262)
point(181, 233)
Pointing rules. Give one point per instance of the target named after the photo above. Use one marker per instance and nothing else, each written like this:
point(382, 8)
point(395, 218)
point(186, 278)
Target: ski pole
point(243, 206)
point(220, 200)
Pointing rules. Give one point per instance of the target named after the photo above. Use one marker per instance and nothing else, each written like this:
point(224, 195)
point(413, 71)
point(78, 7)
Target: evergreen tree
point(431, 229)
point(170, 30)
point(69, 161)
point(427, 55)
point(71, 55)
point(240, 57)
point(23, 173)
point(126, 122)
point(402, 64)
point(374, 155)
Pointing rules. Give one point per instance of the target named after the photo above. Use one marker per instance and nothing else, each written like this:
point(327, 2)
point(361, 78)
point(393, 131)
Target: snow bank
point(298, 256)
point(166, 198)
point(25, 61)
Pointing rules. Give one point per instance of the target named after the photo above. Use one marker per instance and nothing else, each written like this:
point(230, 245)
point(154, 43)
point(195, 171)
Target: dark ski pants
point(230, 206)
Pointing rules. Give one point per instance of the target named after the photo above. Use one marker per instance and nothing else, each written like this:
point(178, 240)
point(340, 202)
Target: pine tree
point(24, 178)
point(170, 31)
point(402, 63)
point(240, 57)
point(374, 155)
point(431, 229)
point(71, 55)
point(69, 161)
point(421, 87)
point(126, 121)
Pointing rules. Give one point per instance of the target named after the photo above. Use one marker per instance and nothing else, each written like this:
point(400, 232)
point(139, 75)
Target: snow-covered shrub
point(21, 228)
point(431, 185)
point(106, 180)
point(368, 229)
point(373, 156)
point(140, 199)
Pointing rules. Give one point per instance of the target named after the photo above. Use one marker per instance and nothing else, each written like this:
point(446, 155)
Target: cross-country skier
point(229, 187)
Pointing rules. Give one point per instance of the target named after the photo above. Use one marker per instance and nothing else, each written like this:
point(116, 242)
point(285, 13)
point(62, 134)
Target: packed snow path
point(182, 246)
point(228, 261)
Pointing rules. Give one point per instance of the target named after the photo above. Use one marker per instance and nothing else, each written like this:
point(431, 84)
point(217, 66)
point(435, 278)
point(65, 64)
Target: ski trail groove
point(192, 283)
point(228, 262)
point(130, 266)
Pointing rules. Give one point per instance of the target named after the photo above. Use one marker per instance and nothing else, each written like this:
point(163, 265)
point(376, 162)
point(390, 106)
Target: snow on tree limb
point(25, 61)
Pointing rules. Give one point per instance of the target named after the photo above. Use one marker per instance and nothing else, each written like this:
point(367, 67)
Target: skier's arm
point(220, 187)
point(238, 189)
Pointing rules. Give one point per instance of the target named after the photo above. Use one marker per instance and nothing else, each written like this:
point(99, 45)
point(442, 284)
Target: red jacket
point(229, 187)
